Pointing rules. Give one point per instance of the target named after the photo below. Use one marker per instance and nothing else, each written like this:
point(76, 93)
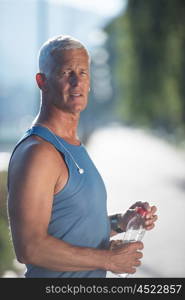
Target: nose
point(74, 79)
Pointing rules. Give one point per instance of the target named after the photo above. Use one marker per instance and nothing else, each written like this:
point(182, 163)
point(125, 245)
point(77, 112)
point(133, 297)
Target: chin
point(72, 107)
point(78, 107)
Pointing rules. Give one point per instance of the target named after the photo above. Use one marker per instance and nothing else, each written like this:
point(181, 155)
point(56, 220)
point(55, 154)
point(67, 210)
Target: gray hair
point(61, 42)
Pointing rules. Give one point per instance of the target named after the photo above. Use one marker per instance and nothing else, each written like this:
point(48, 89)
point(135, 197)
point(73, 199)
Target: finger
point(138, 203)
point(153, 209)
point(140, 245)
point(151, 220)
point(139, 255)
point(136, 246)
point(146, 206)
point(150, 214)
point(119, 241)
point(132, 271)
point(118, 244)
point(150, 227)
point(115, 244)
point(137, 263)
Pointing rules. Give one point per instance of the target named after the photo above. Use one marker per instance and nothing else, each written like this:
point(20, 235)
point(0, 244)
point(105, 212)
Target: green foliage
point(3, 194)
point(6, 249)
point(149, 40)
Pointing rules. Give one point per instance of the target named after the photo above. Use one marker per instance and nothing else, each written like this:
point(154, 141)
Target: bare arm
point(31, 189)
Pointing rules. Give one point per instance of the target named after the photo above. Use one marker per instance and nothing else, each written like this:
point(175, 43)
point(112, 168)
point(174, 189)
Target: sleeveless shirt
point(79, 211)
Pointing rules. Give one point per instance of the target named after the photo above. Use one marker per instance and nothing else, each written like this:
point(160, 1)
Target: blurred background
point(134, 126)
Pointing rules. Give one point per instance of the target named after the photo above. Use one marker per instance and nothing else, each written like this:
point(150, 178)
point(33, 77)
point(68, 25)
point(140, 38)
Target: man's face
point(69, 80)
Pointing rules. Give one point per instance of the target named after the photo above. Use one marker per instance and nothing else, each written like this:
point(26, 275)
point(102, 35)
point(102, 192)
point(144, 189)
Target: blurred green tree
point(6, 249)
point(149, 40)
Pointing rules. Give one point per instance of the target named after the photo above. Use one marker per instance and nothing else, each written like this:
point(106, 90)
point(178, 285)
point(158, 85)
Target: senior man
point(57, 198)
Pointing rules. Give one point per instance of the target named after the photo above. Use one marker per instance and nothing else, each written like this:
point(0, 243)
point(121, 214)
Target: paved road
point(136, 166)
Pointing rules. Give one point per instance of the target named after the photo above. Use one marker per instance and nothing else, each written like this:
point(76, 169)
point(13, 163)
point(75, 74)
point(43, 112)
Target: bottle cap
point(141, 211)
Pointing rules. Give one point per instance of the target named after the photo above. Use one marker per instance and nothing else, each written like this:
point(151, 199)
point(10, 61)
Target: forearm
point(57, 255)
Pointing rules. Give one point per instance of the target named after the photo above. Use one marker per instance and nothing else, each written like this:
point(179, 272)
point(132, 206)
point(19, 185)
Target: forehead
point(70, 57)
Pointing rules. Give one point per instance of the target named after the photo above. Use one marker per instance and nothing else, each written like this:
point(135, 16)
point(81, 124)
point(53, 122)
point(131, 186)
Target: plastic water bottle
point(135, 230)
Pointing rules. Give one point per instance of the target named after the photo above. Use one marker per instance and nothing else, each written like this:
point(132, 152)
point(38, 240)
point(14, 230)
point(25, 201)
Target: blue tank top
point(79, 210)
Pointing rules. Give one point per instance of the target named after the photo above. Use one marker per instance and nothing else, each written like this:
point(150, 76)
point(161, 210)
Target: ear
point(41, 81)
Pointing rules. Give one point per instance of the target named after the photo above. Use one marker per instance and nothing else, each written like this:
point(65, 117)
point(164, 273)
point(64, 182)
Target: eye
point(84, 72)
point(65, 72)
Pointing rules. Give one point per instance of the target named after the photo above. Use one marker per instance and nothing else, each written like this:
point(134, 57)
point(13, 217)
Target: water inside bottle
point(133, 235)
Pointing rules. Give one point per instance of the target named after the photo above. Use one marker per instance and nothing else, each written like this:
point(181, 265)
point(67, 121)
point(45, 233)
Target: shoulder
point(35, 146)
point(35, 152)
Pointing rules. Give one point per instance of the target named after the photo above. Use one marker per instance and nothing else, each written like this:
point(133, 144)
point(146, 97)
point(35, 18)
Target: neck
point(62, 123)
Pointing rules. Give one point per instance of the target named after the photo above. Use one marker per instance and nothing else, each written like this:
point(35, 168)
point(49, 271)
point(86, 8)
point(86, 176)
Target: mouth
point(75, 95)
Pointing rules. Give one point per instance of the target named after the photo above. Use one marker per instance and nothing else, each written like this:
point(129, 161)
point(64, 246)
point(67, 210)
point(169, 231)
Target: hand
point(126, 258)
point(115, 244)
point(150, 216)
